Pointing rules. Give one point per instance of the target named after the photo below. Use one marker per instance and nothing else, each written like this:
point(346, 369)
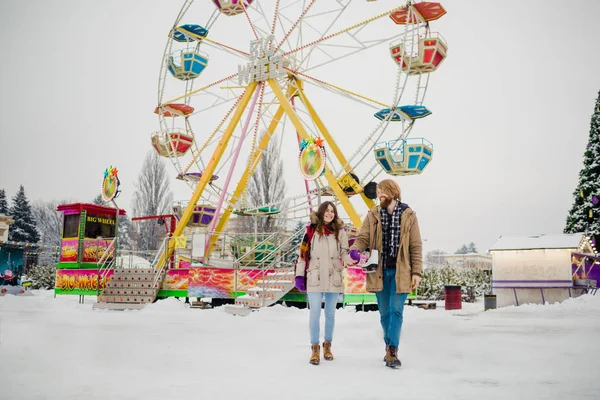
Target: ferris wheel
point(238, 73)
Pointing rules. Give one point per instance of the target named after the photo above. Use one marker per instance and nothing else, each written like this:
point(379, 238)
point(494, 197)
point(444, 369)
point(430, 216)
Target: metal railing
point(235, 246)
point(249, 256)
point(159, 268)
point(106, 262)
point(275, 258)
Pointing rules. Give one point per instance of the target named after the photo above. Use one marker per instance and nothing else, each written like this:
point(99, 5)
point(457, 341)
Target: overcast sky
point(511, 107)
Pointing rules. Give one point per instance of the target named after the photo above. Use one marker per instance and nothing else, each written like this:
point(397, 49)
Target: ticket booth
point(87, 232)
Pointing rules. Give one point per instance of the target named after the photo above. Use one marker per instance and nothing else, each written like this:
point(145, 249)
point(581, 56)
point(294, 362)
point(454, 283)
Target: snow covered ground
point(58, 349)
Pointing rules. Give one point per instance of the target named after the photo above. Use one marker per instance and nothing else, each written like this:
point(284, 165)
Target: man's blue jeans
point(314, 302)
point(391, 307)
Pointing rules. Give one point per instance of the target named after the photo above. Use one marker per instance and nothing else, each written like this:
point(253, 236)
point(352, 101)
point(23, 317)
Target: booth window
point(71, 226)
point(99, 228)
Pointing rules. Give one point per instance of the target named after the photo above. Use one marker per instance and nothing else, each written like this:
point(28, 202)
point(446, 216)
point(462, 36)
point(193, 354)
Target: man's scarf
point(390, 226)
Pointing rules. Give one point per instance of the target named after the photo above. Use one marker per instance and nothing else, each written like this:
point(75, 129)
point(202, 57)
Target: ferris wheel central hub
point(263, 62)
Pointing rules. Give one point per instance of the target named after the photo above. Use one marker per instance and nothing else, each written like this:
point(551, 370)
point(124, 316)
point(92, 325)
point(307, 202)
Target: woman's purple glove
point(301, 283)
point(355, 254)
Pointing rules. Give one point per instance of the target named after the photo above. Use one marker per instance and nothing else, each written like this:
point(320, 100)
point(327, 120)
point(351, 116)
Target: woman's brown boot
point(327, 351)
point(315, 358)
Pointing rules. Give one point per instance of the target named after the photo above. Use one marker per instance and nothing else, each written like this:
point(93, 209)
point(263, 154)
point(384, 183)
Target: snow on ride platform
point(55, 348)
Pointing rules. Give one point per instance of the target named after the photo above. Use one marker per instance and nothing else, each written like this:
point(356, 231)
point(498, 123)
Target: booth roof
point(543, 241)
point(89, 207)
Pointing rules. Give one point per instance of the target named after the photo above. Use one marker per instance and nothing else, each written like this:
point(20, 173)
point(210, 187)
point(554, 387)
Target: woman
point(319, 272)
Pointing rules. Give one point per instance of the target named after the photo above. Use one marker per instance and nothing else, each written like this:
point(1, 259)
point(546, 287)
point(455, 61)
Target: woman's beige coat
point(326, 266)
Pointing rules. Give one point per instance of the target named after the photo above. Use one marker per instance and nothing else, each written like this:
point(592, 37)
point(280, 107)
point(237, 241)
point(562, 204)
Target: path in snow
point(58, 349)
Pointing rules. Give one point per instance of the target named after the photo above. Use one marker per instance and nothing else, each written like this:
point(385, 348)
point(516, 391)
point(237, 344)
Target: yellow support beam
point(330, 141)
point(289, 110)
point(210, 169)
point(258, 153)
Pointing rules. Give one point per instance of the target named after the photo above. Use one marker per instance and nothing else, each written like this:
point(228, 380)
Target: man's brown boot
point(387, 354)
point(393, 361)
point(315, 358)
point(327, 351)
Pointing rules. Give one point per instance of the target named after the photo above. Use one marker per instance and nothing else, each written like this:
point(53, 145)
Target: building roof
point(467, 255)
point(89, 207)
point(7, 219)
point(543, 241)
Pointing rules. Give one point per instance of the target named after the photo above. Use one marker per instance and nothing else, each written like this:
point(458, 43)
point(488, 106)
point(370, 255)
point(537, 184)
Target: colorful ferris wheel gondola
point(403, 113)
point(194, 177)
point(404, 157)
point(201, 217)
point(415, 57)
point(187, 64)
point(189, 33)
point(174, 110)
point(431, 52)
point(426, 11)
point(173, 141)
point(232, 7)
point(265, 211)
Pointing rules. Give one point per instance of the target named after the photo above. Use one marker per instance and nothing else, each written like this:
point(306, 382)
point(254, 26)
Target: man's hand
point(416, 279)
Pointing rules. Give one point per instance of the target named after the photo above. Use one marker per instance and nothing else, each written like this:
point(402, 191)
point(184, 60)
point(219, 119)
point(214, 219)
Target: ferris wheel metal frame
point(286, 76)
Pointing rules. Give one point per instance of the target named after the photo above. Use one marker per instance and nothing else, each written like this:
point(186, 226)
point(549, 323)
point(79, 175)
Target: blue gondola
point(404, 113)
point(404, 156)
point(189, 33)
point(187, 64)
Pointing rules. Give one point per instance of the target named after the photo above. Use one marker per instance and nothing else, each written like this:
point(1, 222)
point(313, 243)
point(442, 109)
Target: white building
point(5, 222)
point(536, 269)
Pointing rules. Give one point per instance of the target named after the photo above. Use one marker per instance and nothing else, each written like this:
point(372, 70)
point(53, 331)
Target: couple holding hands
point(392, 230)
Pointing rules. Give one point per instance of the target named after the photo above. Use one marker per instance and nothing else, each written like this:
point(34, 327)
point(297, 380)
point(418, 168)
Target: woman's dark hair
point(335, 225)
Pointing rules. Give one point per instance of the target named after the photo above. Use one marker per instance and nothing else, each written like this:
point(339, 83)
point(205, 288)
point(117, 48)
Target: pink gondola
point(232, 7)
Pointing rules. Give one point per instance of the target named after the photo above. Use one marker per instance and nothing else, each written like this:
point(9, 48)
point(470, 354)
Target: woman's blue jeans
point(391, 308)
point(314, 302)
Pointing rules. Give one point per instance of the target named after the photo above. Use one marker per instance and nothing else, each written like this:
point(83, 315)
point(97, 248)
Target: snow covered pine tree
point(585, 213)
point(3, 202)
point(24, 228)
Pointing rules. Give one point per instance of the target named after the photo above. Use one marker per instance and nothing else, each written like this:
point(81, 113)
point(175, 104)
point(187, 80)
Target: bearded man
point(393, 230)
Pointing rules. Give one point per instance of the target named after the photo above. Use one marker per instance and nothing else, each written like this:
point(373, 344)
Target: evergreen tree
point(294, 244)
point(585, 212)
point(24, 228)
point(99, 200)
point(463, 250)
point(3, 202)
point(300, 226)
point(42, 276)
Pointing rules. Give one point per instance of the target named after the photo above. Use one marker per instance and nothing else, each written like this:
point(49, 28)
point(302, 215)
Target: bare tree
point(152, 196)
point(49, 223)
point(267, 187)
